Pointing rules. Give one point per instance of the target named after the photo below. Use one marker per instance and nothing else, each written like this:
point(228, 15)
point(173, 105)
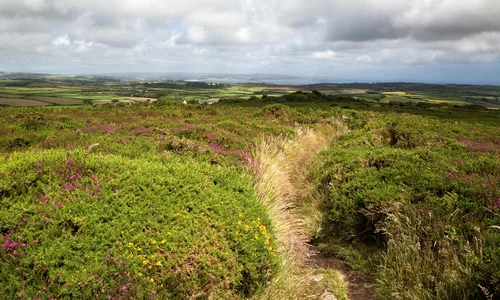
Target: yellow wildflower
point(145, 262)
point(163, 241)
point(152, 280)
point(153, 242)
point(140, 274)
point(158, 263)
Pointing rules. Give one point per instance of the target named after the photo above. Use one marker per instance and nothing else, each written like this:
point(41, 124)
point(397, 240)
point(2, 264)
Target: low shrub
point(276, 110)
point(77, 225)
point(410, 189)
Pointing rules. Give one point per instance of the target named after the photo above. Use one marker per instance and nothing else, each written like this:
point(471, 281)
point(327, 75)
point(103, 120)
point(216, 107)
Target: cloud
point(61, 40)
point(328, 54)
point(449, 20)
point(248, 35)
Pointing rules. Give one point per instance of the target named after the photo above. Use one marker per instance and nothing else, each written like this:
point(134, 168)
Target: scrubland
point(168, 200)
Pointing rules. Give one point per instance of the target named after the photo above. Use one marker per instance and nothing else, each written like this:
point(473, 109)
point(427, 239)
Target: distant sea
point(277, 79)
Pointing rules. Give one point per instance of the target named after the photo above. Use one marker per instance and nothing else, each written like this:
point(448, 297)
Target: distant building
point(209, 101)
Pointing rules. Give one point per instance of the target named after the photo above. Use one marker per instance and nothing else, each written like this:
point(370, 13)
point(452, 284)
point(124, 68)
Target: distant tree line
point(315, 95)
point(185, 85)
point(203, 85)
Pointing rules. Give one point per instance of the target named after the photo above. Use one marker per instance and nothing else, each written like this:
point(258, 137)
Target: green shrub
point(276, 110)
point(77, 225)
point(429, 200)
point(31, 119)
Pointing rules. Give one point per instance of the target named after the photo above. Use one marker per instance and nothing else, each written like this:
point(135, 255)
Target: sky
point(448, 41)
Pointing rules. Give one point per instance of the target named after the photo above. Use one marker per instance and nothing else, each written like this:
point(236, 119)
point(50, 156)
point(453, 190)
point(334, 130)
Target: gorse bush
point(424, 197)
point(80, 225)
point(148, 201)
point(277, 110)
point(32, 119)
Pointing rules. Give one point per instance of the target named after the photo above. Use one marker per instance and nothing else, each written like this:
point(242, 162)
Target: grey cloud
point(23, 25)
point(363, 27)
point(112, 32)
point(449, 20)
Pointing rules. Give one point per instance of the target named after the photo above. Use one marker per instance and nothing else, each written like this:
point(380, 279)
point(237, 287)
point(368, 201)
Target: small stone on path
point(315, 278)
point(328, 296)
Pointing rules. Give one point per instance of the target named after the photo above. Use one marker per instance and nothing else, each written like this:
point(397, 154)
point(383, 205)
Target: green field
point(103, 92)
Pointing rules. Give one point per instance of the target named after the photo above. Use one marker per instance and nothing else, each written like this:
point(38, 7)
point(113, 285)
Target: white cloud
point(61, 40)
point(196, 34)
point(328, 54)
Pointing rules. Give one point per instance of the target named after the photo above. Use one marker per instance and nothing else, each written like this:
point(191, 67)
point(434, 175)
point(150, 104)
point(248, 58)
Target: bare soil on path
point(360, 285)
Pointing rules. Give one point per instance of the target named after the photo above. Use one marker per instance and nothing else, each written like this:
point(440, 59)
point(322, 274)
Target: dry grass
point(283, 180)
point(414, 269)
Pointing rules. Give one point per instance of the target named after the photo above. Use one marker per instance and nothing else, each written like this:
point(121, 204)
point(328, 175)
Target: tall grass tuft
point(427, 257)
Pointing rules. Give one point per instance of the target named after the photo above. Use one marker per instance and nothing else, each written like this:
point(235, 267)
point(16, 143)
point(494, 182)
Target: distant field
point(398, 99)
point(457, 102)
point(139, 99)
point(58, 93)
point(38, 90)
point(21, 102)
point(352, 91)
point(395, 93)
point(56, 100)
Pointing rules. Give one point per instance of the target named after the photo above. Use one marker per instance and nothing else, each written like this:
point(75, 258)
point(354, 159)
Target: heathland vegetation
point(169, 200)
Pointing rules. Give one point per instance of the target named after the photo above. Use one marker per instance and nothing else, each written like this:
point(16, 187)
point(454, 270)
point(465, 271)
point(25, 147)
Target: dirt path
point(283, 169)
point(360, 285)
